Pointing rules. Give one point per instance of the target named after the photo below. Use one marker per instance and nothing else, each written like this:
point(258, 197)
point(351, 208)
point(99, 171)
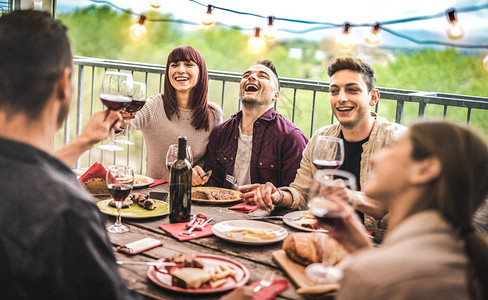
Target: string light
point(455, 31)
point(269, 31)
point(485, 61)
point(138, 30)
point(38, 4)
point(208, 18)
point(344, 40)
point(373, 37)
point(155, 3)
point(256, 44)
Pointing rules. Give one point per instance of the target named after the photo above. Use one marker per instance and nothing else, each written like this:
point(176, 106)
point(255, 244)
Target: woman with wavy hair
point(181, 110)
point(433, 179)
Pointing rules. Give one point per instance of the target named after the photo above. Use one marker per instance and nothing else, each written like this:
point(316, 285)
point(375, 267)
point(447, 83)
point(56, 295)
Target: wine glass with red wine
point(120, 180)
point(328, 152)
point(328, 182)
point(172, 155)
point(116, 93)
point(137, 103)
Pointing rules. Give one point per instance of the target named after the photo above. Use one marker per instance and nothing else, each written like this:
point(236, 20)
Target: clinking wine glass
point(120, 181)
point(137, 103)
point(172, 155)
point(116, 93)
point(328, 153)
point(327, 183)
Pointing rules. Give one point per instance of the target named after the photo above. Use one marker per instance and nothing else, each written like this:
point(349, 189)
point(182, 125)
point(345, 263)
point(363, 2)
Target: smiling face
point(183, 75)
point(392, 169)
point(350, 99)
point(259, 87)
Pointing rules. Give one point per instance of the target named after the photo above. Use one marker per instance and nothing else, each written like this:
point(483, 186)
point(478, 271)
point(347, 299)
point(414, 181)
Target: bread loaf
point(308, 248)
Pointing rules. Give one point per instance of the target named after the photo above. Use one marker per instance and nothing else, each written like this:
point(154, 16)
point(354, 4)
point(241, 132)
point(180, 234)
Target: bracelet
point(282, 197)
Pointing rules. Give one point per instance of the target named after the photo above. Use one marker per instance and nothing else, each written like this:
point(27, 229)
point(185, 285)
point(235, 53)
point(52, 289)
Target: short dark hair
point(33, 53)
point(269, 64)
point(353, 64)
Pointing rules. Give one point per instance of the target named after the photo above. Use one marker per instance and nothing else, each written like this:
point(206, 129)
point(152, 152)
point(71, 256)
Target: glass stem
point(112, 136)
point(118, 220)
point(127, 131)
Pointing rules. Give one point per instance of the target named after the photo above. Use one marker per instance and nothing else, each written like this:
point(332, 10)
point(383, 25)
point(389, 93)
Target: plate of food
point(136, 206)
point(200, 274)
point(214, 195)
point(303, 220)
point(142, 181)
point(249, 232)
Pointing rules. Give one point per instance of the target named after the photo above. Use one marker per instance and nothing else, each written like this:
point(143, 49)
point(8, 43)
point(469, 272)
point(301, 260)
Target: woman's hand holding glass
point(137, 103)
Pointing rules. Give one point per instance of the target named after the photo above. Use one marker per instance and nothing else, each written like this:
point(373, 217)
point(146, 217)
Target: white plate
point(293, 217)
point(223, 229)
point(143, 181)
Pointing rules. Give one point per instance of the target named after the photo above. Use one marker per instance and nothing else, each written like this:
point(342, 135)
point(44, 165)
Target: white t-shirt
point(242, 170)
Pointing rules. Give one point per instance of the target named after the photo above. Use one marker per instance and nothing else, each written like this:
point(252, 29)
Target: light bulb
point(344, 40)
point(138, 30)
point(373, 37)
point(485, 61)
point(155, 3)
point(256, 44)
point(208, 18)
point(38, 4)
point(455, 31)
point(269, 31)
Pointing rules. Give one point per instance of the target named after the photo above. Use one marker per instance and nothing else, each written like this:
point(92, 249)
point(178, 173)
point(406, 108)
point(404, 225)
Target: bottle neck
point(181, 148)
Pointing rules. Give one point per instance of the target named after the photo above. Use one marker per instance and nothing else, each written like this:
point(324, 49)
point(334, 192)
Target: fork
point(232, 181)
point(265, 282)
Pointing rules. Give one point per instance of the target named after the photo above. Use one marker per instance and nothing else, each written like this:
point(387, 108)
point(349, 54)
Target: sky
point(475, 24)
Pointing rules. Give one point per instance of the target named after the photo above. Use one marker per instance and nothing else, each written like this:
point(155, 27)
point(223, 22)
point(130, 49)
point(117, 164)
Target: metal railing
point(298, 101)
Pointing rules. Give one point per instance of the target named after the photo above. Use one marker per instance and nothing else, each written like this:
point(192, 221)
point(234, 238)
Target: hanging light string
point(324, 25)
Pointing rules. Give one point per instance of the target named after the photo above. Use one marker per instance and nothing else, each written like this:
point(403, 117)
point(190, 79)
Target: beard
point(63, 113)
point(360, 116)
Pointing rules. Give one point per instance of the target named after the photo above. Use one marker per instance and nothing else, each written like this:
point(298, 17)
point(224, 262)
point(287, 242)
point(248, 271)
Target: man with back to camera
point(256, 144)
point(53, 241)
point(352, 92)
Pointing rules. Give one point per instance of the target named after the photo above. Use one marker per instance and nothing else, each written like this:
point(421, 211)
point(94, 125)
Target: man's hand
point(196, 177)
point(98, 127)
point(248, 191)
point(266, 195)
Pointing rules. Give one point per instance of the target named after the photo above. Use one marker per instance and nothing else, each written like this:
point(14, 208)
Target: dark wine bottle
point(180, 186)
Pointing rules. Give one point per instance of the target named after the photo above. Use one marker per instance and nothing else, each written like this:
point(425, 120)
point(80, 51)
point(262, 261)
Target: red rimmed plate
point(209, 262)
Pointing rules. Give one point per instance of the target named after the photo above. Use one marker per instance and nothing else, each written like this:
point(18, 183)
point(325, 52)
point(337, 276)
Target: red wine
point(135, 105)
point(180, 186)
point(326, 212)
point(115, 102)
point(322, 164)
point(119, 191)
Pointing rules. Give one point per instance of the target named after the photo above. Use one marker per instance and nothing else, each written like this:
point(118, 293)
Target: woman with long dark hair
point(181, 110)
point(433, 180)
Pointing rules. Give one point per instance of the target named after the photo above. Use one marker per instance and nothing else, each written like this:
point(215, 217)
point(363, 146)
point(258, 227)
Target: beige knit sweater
point(159, 133)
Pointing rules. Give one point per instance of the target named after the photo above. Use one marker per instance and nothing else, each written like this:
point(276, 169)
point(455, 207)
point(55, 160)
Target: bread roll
point(308, 248)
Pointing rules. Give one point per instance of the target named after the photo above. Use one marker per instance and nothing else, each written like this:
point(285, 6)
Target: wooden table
point(257, 259)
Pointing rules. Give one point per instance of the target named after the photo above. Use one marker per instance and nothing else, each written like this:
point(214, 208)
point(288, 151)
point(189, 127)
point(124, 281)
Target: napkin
point(268, 293)
point(244, 207)
point(176, 228)
point(157, 182)
point(95, 171)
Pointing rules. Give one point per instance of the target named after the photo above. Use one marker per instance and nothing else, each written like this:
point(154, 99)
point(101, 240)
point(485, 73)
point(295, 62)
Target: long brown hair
point(459, 190)
point(198, 94)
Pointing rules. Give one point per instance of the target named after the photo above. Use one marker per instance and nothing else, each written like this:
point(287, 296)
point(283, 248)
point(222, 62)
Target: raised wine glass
point(327, 182)
point(120, 180)
point(172, 155)
point(328, 153)
point(137, 103)
point(116, 93)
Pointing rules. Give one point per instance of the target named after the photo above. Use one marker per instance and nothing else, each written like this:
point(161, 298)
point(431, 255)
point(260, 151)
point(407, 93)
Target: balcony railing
point(304, 102)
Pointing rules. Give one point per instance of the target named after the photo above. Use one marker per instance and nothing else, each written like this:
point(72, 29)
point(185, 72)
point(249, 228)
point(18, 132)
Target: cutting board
point(297, 273)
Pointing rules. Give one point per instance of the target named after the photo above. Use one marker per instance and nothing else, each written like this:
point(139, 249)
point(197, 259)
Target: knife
point(206, 176)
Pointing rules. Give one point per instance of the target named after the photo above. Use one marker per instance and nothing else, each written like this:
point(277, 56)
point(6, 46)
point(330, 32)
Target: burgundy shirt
point(277, 146)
